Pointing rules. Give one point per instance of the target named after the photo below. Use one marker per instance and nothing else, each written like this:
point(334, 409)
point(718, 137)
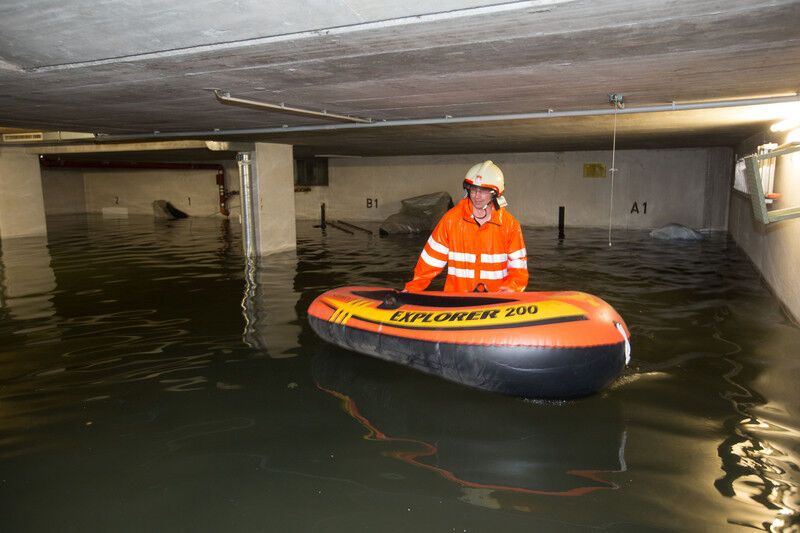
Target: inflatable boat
point(554, 345)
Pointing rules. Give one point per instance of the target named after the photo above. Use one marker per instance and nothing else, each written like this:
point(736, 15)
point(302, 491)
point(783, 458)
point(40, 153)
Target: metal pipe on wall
point(244, 159)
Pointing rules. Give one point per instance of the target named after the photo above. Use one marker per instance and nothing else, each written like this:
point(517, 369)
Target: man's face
point(480, 196)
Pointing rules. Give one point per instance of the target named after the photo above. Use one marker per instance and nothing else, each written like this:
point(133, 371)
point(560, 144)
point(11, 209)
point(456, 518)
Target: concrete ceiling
point(135, 67)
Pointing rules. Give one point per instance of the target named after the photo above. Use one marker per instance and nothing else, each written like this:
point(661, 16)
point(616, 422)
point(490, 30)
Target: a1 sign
point(635, 208)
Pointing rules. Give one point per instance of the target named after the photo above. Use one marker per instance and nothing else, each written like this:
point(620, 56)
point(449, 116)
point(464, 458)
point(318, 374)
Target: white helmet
point(489, 176)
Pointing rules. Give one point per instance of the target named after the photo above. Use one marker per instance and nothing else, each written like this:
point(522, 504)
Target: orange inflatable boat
point(531, 344)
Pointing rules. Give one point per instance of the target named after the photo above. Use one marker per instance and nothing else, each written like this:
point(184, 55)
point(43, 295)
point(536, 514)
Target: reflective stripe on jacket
point(493, 253)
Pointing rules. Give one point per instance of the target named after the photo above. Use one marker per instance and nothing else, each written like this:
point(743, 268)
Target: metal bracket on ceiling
point(224, 97)
point(617, 100)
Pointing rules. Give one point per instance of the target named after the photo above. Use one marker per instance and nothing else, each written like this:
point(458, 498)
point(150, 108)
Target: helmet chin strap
point(485, 208)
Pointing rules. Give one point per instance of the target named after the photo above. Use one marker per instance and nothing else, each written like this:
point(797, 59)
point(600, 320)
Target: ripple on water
point(157, 332)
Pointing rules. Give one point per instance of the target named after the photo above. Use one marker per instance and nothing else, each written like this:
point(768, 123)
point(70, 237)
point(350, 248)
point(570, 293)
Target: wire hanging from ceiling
point(618, 101)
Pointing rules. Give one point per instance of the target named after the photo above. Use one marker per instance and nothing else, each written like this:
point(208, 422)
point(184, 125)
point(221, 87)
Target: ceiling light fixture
point(786, 125)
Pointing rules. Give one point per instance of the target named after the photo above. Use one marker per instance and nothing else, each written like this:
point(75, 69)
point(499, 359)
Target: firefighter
point(478, 240)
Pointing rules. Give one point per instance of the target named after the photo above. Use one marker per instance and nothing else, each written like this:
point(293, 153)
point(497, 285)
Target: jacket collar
point(466, 213)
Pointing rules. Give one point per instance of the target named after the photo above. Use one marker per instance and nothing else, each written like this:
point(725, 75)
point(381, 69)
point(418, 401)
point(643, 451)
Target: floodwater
point(150, 381)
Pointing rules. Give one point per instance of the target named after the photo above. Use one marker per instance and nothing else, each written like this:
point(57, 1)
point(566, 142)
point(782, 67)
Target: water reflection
point(498, 451)
point(125, 378)
point(110, 304)
point(26, 278)
point(758, 457)
point(708, 337)
point(269, 304)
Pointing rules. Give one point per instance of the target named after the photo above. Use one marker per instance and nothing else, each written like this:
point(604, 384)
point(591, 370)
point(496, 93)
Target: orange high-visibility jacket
point(493, 253)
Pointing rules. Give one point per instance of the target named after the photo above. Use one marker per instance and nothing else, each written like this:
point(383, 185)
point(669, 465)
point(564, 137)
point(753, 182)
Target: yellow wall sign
point(594, 170)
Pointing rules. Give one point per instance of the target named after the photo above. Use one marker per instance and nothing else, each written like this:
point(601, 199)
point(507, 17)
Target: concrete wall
point(21, 201)
point(651, 188)
point(69, 191)
point(64, 191)
point(688, 186)
point(192, 191)
point(774, 248)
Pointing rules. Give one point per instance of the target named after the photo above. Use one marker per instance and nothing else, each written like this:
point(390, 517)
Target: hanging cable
point(613, 171)
point(617, 100)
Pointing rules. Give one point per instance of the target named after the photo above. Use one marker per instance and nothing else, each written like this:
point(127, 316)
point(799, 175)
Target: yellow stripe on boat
point(495, 316)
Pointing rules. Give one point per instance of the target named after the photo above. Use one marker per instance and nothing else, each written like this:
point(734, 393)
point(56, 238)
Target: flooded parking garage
point(152, 379)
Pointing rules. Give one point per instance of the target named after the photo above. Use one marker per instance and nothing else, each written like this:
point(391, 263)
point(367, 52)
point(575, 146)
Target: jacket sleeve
point(517, 279)
point(432, 259)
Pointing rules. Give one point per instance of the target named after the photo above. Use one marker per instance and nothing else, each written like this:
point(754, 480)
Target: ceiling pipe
point(714, 104)
point(227, 99)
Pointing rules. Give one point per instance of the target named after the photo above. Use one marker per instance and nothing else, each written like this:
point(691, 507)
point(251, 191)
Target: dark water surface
point(149, 381)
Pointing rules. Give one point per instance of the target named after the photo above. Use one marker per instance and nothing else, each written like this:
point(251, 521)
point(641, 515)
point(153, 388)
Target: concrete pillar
point(21, 199)
point(273, 198)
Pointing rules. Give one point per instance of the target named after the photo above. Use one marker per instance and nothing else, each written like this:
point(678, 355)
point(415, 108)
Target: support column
point(21, 199)
point(273, 199)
